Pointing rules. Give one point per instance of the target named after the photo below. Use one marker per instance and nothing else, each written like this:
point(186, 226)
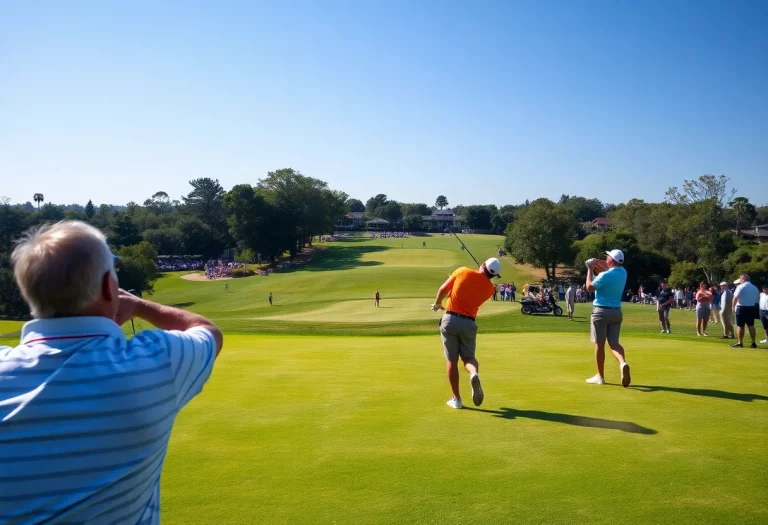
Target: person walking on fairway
point(745, 300)
point(570, 300)
point(376, 298)
point(726, 311)
point(226, 287)
point(466, 290)
point(663, 305)
point(606, 314)
point(270, 298)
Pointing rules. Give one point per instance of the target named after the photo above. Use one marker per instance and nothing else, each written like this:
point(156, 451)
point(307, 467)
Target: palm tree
point(743, 210)
point(38, 198)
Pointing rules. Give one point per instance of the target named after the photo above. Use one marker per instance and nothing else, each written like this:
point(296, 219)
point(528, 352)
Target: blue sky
point(484, 102)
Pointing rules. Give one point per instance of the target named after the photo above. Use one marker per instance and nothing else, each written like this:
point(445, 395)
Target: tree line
point(688, 237)
point(693, 236)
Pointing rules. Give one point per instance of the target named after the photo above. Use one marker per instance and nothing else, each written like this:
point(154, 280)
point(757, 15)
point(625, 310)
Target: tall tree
point(477, 217)
point(124, 231)
point(743, 211)
point(355, 205)
point(706, 187)
point(38, 198)
point(205, 203)
point(374, 203)
point(542, 236)
point(441, 202)
point(90, 210)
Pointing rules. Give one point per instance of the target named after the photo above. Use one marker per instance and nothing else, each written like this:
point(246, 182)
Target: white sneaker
point(596, 379)
point(669, 331)
point(455, 403)
point(663, 331)
point(764, 341)
point(626, 379)
point(477, 390)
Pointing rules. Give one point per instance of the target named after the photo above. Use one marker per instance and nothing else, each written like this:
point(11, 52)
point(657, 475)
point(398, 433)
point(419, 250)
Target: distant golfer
point(424, 244)
point(270, 298)
point(606, 314)
point(570, 300)
point(466, 290)
point(226, 287)
point(376, 299)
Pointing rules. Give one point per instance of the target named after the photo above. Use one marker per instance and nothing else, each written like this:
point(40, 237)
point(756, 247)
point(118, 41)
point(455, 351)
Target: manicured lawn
point(316, 414)
point(354, 430)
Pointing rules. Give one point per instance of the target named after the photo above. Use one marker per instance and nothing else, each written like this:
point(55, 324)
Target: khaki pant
point(606, 325)
point(459, 336)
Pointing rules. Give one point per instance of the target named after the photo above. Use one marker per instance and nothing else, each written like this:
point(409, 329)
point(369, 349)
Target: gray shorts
point(606, 325)
point(459, 335)
point(702, 311)
point(569, 306)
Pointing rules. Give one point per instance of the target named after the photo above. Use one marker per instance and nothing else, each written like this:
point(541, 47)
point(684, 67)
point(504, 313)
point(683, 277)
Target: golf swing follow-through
point(466, 290)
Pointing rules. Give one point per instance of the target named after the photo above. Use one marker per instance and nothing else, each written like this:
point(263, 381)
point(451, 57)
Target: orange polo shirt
point(469, 289)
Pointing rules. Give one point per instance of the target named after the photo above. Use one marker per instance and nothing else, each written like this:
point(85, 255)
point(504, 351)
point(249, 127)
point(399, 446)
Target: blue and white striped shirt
point(85, 418)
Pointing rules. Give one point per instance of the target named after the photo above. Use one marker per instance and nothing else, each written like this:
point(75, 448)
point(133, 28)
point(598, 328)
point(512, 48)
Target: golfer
point(663, 305)
point(726, 311)
point(87, 413)
point(270, 298)
point(376, 299)
point(466, 290)
point(745, 300)
point(606, 314)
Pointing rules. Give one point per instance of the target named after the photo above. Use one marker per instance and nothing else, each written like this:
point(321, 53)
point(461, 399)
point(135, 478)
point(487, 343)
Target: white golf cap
point(723, 283)
point(493, 266)
point(737, 281)
point(616, 255)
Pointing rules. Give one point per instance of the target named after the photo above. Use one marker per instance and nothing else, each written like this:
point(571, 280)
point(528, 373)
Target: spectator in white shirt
point(745, 300)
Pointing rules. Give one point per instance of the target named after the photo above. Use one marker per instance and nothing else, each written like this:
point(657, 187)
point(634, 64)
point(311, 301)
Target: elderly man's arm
point(165, 317)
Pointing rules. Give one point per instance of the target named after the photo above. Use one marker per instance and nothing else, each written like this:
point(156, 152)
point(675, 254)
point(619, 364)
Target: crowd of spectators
point(178, 264)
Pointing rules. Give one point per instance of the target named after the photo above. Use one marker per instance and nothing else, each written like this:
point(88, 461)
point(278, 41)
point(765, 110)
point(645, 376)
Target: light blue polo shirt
point(609, 286)
point(85, 417)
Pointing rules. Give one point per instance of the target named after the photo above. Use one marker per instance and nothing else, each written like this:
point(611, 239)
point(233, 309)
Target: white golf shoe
point(477, 390)
point(596, 379)
point(455, 403)
point(764, 341)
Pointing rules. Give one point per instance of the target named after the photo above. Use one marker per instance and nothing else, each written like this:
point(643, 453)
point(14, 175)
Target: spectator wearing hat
point(745, 302)
point(726, 310)
point(606, 314)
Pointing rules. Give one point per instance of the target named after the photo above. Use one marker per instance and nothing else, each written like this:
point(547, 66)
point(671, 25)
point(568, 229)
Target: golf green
point(316, 414)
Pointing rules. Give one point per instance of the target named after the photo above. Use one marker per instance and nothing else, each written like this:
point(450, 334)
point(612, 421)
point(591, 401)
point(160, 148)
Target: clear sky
point(483, 101)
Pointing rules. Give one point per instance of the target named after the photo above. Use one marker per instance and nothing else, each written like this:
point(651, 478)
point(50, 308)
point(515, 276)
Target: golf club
point(465, 248)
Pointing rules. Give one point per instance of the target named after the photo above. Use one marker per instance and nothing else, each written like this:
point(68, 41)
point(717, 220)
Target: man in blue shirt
point(86, 414)
point(606, 314)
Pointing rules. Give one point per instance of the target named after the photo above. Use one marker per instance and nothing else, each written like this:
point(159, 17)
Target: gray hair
point(60, 267)
point(744, 276)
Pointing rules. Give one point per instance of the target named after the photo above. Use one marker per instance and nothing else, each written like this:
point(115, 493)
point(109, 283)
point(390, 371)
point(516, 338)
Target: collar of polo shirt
point(69, 328)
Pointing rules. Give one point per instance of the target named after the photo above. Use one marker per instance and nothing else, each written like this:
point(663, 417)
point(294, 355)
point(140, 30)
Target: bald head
point(62, 270)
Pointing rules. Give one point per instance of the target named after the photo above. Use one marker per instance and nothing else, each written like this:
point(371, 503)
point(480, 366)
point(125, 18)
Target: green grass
point(300, 425)
point(306, 430)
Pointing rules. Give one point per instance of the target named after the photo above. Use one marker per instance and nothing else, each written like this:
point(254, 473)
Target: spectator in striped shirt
point(85, 414)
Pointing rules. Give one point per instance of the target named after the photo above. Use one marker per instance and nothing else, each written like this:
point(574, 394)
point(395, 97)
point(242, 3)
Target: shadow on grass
point(568, 419)
point(183, 305)
point(334, 258)
point(706, 392)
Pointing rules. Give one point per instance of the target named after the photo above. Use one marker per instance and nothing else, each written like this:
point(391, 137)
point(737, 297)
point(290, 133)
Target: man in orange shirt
point(466, 290)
